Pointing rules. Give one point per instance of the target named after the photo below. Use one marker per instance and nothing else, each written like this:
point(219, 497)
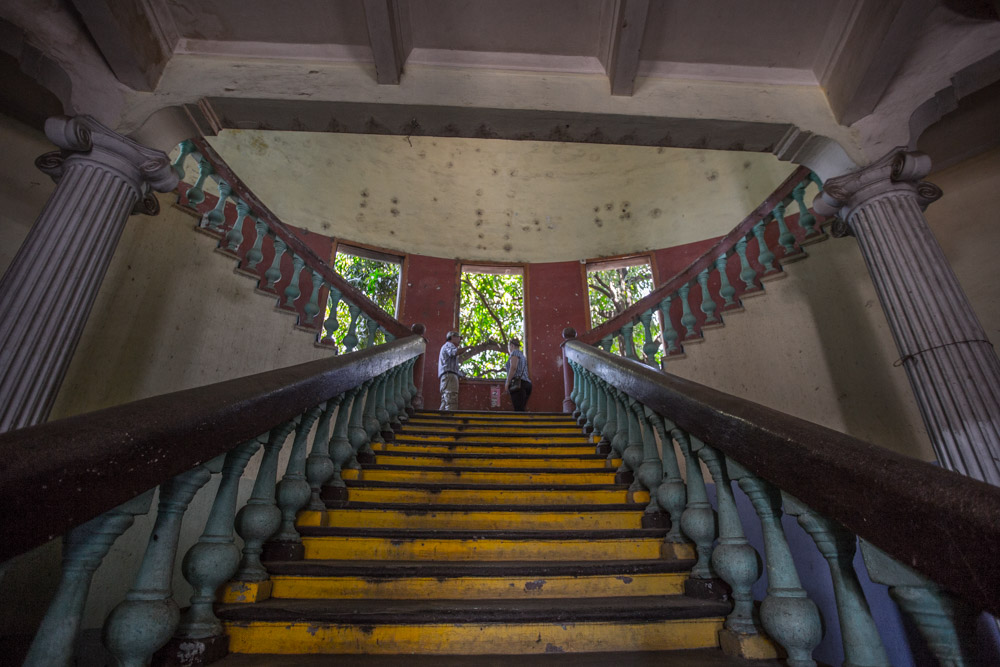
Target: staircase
point(495, 534)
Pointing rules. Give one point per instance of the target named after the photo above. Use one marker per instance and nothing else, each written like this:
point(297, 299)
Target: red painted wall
point(556, 298)
point(429, 295)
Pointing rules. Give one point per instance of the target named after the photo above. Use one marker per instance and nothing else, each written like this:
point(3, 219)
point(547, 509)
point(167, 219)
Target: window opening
point(491, 312)
point(614, 286)
point(374, 273)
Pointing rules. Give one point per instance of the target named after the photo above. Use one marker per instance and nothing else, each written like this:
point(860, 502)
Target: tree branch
point(489, 308)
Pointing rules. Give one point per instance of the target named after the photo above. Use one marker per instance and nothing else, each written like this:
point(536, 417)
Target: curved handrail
point(723, 247)
point(294, 244)
point(58, 475)
point(938, 522)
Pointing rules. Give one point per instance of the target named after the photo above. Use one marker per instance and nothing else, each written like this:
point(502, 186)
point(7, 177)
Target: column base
point(283, 551)
point(707, 589)
point(749, 647)
point(191, 652)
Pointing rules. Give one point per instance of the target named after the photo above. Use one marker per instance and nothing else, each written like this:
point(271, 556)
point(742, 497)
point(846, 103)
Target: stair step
point(390, 458)
point(376, 544)
point(473, 627)
point(318, 579)
point(424, 428)
point(492, 415)
point(470, 518)
point(554, 439)
point(503, 494)
point(578, 448)
point(472, 475)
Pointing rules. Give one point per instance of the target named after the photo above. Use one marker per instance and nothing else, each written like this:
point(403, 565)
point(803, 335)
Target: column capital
point(899, 171)
point(81, 139)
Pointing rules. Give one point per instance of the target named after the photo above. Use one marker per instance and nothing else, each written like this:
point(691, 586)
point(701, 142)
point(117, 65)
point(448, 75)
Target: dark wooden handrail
point(938, 522)
point(58, 475)
point(705, 261)
point(296, 245)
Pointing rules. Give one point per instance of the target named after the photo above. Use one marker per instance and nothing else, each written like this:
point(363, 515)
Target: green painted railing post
point(311, 309)
point(350, 341)
point(651, 346)
point(672, 493)
point(726, 290)
point(273, 273)
point(688, 320)
point(196, 193)
point(356, 433)
point(384, 432)
point(610, 419)
point(807, 221)
point(947, 625)
point(146, 619)
point(650, 471)
point(626, 333)
point(587, 406)
point(600, 408)
point(372, 328)
point(341, 450)
point(319, 465)
point(698, 520)
point(764, 256)
point(292, 290)
point(213, 219)
point(670, 335)
point(622, 436)
point(574, 394)
point(84, 547)
point(331, 324)
point(260, 517)
point(255, 254)
point(747, 273)
point(370, 422)
point(633, 454)
point(185, 148)
point(734, 558)
point(785, 237)
point(234, 237)
point(708, 305)
point(214, 558)
point(787, 613)
point(862, 644)
point(582, 385)
point(607, 343)
point(293, 490)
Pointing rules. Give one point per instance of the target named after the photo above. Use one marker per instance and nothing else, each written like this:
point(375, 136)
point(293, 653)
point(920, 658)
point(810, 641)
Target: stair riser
point(460, 462)
point(472, 638)
point(477, 588)
point(453, 448)
point(485, 437)
point(478, 477)
point(375, 548)
point(473, 520)
point(492, 496)
point(529, 430)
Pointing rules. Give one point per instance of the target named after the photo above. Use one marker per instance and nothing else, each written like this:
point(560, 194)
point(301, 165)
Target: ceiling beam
point(625, 44)
point(135, 38)
point(877, 40)
point(389, 35)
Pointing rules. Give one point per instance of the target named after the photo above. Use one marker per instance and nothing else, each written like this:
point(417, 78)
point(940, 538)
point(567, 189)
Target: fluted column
point(102, 178)
point(953, 370)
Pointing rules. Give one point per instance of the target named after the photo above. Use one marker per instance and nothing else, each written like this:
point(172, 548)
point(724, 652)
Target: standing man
point(448, 370)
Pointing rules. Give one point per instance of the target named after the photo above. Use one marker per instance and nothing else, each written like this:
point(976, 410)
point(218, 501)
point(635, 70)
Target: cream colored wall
point(495, 200)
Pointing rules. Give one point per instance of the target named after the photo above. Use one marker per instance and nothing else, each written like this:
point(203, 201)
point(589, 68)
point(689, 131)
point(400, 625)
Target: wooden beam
point(627, 29)
point(388, 33)
point(135, 38)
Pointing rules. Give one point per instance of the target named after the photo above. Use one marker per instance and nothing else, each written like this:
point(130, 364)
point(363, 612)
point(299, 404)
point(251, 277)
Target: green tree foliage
point(491, 311)
point(612, 292)
point(378, 280)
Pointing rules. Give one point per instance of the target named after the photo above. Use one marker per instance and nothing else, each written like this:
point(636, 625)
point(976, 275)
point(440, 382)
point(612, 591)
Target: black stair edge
point(488, 456)
point(502, 414)
point(417, 509)
point(424, 443)
point(386, 570)
point(405, 535)
point(487, 427)
point(645, 609)
point(466, 469)
point(439, 486)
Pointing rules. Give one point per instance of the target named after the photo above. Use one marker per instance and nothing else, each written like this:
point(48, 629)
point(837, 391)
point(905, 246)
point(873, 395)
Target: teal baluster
point(671, 494)
point(620, 442)
point(254, 255)
point(574, 394)
point(213, 560)
point(592, 404)
point(186, 147)
point(341, 450)
point(260, 518)
point(765, 256)
point(807, 221)
point(146, 619)
point(311, 308)
point(292, 291)
point(670, 335)
point(787, 613)
point(331, 325)
point(607, 342)
point(726, 290)
point(610, 425)
point(734, 559)
point(293, 491)
point(84, 547)
point(351, 337)
point(816, 179)
point(600, 408)
point(196, 193)
point(372, 328)
point(395, 403)
point(585, 397)
point(213, 219)
point(747, 273)
point(633, 454)
point(688, 319)
point(651, 346)
point(947, 625)
point(319, 465)
point(793, 253)
point(356, 433)
point(860, 638)
point(708, 305)
point(416, 400)
point(234, 237)
point(650, 472)
point(273, 274)
point(626, 334)
point(699, 520)
point(382, 430)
